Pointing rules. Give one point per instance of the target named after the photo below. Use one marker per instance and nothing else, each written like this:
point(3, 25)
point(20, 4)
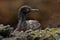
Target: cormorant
point(22, 25)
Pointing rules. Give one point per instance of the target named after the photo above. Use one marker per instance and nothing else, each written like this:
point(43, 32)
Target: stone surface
point(52, 34)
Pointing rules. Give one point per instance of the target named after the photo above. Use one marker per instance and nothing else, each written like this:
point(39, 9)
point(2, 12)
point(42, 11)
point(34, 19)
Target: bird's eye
point(28, 10)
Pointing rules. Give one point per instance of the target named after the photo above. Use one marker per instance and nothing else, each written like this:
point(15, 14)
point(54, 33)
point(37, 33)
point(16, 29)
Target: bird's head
point(27, 9)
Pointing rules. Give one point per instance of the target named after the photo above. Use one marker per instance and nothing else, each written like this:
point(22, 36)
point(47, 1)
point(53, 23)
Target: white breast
point(33, 24)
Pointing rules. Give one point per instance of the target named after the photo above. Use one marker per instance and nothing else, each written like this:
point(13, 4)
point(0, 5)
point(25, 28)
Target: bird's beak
point(34, 9)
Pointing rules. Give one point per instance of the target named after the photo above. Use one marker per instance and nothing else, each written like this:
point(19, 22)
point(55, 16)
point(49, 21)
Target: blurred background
point(49, 11)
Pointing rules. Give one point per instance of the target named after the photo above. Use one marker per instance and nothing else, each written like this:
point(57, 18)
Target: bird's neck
point(21, 16)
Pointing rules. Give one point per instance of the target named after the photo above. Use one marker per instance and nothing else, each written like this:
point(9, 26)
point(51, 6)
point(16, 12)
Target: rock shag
point(22, 25)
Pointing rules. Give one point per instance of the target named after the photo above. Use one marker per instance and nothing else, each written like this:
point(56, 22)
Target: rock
point(5, 31)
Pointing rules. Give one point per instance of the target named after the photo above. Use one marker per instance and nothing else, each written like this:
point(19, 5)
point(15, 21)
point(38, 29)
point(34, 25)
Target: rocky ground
point(6, 33)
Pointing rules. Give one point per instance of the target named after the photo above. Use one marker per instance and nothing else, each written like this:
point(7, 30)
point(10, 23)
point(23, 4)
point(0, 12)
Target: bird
point(22, 25)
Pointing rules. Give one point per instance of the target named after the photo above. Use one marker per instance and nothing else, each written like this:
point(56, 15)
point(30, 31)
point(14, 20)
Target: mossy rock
point(5, 32)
